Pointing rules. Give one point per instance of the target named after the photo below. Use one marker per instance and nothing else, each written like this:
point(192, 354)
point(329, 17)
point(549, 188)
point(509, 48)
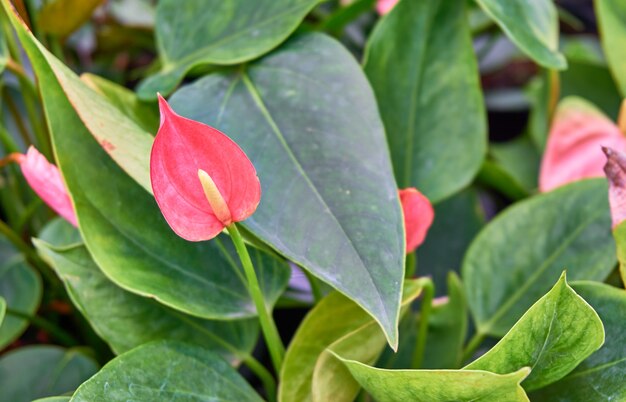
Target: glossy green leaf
point(306, 117)
point(600, 91)
point(125, 320)
point(3, 309)
point(125, 232)
point(62, 17)
point(520, 160)
point(221, 32)
point(166, 371)
point(37, 371)
point(553, 337)
point(145, 114)
point(21, 288)
point(60, 233)
point(438, 385)
point(532, 25)
point(309, 372)
point(519, 254)
point(611, 16)
point(447, 328)
point(4, 51)
point(457, 221)
point(600, 378)
point(54, 399)
point(435, 122)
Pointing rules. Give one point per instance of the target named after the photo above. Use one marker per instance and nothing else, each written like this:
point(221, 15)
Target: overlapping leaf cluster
point(332, 139)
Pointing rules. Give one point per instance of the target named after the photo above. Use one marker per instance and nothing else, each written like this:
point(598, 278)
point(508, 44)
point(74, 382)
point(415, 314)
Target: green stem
point(411, 265)
point(269, 384)
point(472, 345)
point(422, 333)
point(61, 335)
point(270, 332)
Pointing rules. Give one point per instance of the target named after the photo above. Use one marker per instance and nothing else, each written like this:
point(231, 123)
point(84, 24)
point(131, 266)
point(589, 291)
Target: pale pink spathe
point(418, 216)
point(615, 170)
point(384, 6)
point(45, 180)
point(574, 148)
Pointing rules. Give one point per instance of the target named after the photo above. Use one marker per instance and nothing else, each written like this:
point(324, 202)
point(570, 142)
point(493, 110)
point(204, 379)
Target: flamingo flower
point(418, 216)
point(384, 6)
point(615, 170)
point(45, 180)
point(201, 179)
point(574, 147)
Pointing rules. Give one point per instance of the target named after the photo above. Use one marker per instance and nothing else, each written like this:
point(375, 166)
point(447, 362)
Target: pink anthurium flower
point(45, 180)
point(201, 179)
point(573, 150)
point(615, 170)
point(384, 6)
point(418, 216)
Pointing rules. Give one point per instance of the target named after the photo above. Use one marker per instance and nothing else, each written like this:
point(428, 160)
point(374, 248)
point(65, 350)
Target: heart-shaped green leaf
point(306, 117)
point(219, 32)
point(21, 288)
point(125, 320)
point(310, 372)
point(435, 122)
point(54, 399)
point(513, 261)
point(600, 378)
point(438, 385)
point(553, 337)
point(532, 25)
point(612, 23)
point(168, 371)
point(124, 230)
point(37, 371)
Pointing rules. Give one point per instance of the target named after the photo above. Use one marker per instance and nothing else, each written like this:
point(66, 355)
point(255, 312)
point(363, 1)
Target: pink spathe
point(45, 180)
point(574, 147)
point(193, 165)
point(384, 6)
point(418, 217)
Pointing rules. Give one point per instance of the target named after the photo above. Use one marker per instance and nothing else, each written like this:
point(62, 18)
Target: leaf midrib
point(256, 96)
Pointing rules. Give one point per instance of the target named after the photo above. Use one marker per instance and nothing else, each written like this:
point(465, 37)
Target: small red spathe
point(418, 217)
point(201, 179)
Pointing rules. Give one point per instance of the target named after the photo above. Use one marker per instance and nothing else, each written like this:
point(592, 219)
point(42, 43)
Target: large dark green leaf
point(517, 257)
point(306, 117)
point(438, 385)
point(336, 324)
point(124, 230)
point(612, 24)
point(423, 69)
point(600, 378)
point(21, 288)
point(125, 320)
point(196, 32)
point(553, 337)
point(37, 371)
point(531, 25)
point(166, 371)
